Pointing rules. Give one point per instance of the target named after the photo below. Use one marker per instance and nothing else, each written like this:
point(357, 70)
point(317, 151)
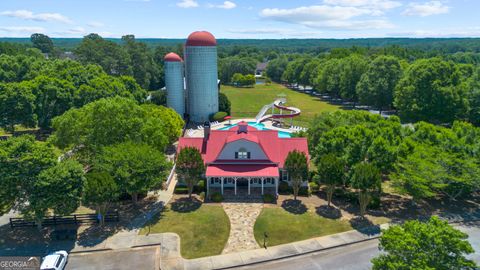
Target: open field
point(285, 227)
point(203, 229)
point(247, 102)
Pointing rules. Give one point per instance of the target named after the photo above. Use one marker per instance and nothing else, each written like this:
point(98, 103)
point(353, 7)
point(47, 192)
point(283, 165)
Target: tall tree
point(276, 67)
point(22, 159)
point(58, 188)
point(297, 167)
point(366, 179)
point(424, 245)
point(100, 190)
point(432, 90)
point(353, 67)
point(377, 85)
point(17, 106)
point(136, 168)
point(331, 171)
point(42, 42)
point(189, 167)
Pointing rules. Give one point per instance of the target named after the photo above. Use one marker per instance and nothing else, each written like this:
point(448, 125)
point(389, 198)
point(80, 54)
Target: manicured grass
point(247, 102)
point(284, 227)
point(203, 232)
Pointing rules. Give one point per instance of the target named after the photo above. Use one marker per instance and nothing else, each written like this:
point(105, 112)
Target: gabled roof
point(274, 147)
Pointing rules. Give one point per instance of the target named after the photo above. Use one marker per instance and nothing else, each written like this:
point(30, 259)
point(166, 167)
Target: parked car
point(55, 261)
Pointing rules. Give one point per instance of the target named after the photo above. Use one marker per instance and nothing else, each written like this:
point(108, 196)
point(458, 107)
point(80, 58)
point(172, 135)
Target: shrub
point(219, 116)
point(268, 198)
point(181, 190)
point(216, 197)
point(375, 202)
point(314, 187)
point(200, 187)
point(304, 191)
point(284, 188)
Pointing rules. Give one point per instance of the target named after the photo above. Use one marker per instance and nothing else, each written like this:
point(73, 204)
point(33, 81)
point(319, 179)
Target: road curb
point(91, 251)
point(298, 254)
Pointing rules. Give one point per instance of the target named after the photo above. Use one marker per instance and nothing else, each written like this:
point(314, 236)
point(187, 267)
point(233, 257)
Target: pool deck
point(198, 133)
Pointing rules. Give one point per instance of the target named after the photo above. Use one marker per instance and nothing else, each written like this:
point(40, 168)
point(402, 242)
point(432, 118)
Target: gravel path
point(242, 219)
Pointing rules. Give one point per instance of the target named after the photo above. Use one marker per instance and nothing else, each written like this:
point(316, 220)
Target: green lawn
point(284, 227)
point(247, 102)
point(203, 232)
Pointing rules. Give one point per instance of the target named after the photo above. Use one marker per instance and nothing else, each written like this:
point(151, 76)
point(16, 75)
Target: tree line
point(437, 90)
point(357, 149)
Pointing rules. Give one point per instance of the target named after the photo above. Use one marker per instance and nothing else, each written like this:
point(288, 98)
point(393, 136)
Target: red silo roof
point(201, 38)
point(172, 57)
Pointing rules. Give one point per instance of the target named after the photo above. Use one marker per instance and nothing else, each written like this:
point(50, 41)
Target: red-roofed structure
point(201, 38)
point(244, 157)
point(172, 57)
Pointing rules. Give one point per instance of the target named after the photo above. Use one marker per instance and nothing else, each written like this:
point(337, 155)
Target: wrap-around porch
point(243, 185)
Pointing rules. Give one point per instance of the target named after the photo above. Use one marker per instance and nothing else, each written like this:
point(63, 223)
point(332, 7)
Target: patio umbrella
point(229, 118)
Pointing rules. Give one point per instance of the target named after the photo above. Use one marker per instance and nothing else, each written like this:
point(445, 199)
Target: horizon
point(246, 19)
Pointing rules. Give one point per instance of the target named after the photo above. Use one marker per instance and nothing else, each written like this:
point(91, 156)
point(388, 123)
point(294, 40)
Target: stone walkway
point(242, 219)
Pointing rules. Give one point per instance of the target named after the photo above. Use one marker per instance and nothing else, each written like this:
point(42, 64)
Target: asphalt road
point(353, 257)
point(140, 258)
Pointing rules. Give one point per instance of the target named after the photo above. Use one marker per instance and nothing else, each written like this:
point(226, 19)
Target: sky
point(262, 19)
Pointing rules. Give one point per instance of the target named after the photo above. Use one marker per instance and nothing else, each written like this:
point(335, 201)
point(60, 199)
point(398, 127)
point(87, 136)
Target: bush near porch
point(283, 227)
point(203, 230)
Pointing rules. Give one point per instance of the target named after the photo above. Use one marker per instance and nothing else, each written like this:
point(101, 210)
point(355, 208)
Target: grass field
point(203, 231)
point(284, 227)
point(247, 102)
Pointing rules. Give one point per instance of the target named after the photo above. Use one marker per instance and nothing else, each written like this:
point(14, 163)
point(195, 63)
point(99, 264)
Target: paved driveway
point(140, 258)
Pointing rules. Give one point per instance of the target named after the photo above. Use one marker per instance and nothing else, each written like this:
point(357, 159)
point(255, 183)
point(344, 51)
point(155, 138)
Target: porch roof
point(244, 170)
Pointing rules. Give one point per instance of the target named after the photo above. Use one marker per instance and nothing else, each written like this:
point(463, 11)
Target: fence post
point(54, 220)
point(11, 224)
point(75, 218)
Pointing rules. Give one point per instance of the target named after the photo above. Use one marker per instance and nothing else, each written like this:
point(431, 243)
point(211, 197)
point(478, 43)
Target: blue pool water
point(260, 126)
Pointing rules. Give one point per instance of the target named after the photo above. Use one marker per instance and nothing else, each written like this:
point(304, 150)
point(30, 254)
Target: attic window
point(242, 154)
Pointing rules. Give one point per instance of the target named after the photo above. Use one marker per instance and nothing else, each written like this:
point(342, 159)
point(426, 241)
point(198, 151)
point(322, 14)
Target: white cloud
point(41, 17)
point(375, 4)
point(440, 33)
point(19, 30)
point(225, 5)
point(426, 9)
point(95, 24)
point(326, 16)
point(273, 31)
point(187, 4)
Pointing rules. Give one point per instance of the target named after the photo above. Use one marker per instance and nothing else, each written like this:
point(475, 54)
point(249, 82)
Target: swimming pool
point(260, 126)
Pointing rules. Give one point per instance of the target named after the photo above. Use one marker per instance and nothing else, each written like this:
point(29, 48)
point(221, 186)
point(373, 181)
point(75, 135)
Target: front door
point(242, 183)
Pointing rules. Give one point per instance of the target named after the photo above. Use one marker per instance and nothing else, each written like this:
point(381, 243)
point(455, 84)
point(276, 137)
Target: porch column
point(262, 185)
point(222, 184)
point(208, 185)
point(249, 186)
point(276, 186)
point(235, 179)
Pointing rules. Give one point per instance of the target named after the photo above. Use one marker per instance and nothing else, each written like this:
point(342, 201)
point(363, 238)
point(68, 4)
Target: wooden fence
point(61, 220)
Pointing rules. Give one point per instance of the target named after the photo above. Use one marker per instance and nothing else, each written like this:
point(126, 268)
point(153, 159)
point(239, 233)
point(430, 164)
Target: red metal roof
point(201, 38)
point(242, 171)
point(275, 148)
point(172, 57)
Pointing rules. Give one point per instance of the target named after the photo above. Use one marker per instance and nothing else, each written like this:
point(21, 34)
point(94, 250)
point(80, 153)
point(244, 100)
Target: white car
point(55, 261)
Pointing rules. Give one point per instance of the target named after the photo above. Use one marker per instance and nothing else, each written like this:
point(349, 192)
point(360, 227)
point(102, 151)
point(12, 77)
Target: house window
point(242, 154)
point(284, 175)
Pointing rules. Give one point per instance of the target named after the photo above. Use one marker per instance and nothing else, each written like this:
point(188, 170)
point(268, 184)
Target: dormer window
point(242, 153)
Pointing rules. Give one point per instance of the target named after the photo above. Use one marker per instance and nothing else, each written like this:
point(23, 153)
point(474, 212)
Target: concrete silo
point(174, 82)
point(201, 76)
